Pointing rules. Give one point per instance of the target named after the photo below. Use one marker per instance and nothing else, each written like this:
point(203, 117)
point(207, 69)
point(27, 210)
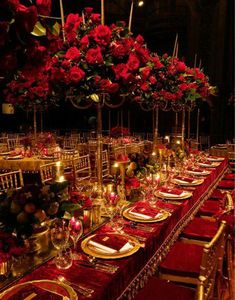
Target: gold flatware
point(79, 288)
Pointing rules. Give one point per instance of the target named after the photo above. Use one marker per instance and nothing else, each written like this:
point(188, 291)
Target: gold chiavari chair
point(70, 143)
point(46, 172)
point(82, 170)
point(179, 267)
point(12, 143)
point(11, 180)
point(105, 164)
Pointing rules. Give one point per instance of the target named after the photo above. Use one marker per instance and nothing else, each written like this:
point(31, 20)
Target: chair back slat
point(212, 260)
point(46, 172)
point(82, 168)
point(11, 180)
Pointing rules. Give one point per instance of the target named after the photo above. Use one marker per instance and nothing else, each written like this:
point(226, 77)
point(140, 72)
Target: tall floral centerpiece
point(96, 65)
point(31, 44)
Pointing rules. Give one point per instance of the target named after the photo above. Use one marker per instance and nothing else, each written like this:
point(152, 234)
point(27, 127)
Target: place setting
point(40, 289)
point(208, 164)
point(145, 213)
point(197, 171)
point(186, 180)
point(172, 193)
point(110, 245)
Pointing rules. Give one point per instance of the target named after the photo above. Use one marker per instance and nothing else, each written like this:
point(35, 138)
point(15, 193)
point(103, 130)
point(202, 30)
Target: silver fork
point(79, 288)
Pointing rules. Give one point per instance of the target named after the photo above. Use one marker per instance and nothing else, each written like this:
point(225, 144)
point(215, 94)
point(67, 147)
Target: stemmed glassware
point(59, 238)
point(75, 230)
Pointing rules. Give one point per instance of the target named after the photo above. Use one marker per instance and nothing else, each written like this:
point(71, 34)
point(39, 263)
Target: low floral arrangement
point(10, 246)
point(81, 199)
point(119, 131)
point(24, 210)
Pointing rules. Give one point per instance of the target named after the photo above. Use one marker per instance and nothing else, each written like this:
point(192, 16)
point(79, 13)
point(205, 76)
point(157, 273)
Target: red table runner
point(135, 269)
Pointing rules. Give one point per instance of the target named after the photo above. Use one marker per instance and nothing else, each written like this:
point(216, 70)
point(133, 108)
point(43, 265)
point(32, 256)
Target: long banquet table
point(134, 270)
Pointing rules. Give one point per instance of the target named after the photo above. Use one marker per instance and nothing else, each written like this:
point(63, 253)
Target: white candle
point(131, 15)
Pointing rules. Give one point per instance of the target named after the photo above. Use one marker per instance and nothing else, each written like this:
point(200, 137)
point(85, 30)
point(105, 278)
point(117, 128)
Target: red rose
point(180, 67)
point(76, 74)
point(94, 56)
point(73, 53)
point(119, 49)
point(36, 52)
point(153, 79)
point(71, 20)
point(84, 42)
point(96, 18)
point(157, 63)
point(183, 86)
point(142, 53)
point(71, 37)
point(88, 10)
point(112, 88)
point(144, 87)
point(139, 39)
point(102, 35)
point(44, 7)
point(145, 72)
point(121, 71)
point(133, 62)
point(65, 64)
point(26, 17)
point(165, 56)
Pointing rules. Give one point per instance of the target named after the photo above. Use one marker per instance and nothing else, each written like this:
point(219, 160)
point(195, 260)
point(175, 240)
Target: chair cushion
point(210, 208)
point(183, 260)
point(200, 229)
point(164, 290)
point(217, 194)
point(229, 176)
point(226, 184)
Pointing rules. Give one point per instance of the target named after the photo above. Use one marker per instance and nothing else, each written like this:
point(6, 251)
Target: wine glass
point(76, 230)
point(59, 238)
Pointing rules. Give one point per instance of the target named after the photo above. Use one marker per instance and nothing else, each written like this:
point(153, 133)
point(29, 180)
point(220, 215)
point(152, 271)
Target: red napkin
point(113, 241)
point(170, 191)
point(194, 169)
point(185, 178)
point(29, 289)
point(145, 210)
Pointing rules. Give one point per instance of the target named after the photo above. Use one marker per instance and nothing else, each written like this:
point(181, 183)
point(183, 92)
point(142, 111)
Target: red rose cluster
point(97, 58)
point(17, 21)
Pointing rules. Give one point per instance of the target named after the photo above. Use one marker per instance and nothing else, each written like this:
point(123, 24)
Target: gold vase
point(38, 242)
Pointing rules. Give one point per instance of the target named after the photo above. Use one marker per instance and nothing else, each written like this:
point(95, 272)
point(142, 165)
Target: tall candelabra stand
point(102, 101)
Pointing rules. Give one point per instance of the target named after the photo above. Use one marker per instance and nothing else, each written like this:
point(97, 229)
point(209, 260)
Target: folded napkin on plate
point(145, 212)
point(34, 292)
point(110, 243)
point(170, 191)
point(184, 178)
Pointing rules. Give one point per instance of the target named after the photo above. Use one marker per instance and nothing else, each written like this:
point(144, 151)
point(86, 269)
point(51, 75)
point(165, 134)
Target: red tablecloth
point(133, 269)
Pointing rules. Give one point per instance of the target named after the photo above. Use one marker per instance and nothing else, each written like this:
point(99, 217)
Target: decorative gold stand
point(122, 165)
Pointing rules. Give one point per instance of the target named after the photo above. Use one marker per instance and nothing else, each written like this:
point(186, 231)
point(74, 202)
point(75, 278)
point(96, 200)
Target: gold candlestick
point(155, 128)
point(131, 15)
point(122, 166)
point(183, 127)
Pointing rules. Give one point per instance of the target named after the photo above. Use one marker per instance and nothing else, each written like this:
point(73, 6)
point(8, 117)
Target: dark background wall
point(205, 28)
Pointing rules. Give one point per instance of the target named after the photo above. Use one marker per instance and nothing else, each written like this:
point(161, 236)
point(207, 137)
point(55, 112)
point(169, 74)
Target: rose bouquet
point(25, 210)
point(96, 59)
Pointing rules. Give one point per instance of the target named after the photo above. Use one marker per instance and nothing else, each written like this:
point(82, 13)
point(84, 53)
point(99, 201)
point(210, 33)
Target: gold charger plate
point(212, 165)
point(127, 215)
point(55, 287)
point(93, 251)
point(204, 173)
point(193, 183)
point(216, 159)
point(186, 195)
